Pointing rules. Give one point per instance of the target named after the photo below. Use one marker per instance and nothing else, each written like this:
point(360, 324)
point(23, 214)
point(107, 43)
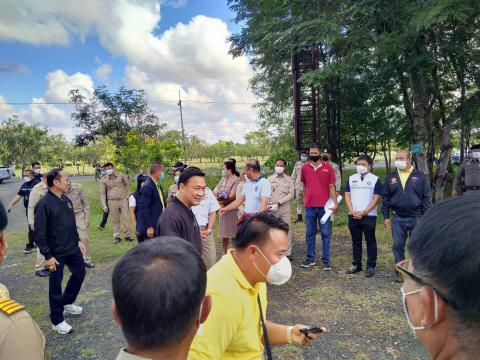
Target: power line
point(148, 101)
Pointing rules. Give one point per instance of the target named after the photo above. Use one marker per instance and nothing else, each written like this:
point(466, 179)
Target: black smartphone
point(311, 330)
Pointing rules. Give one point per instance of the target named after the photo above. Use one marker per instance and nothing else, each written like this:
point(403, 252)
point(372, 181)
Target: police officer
point(20, 336)
point(114, 188)
point(29, 182)
point(283, 189)
point(297, 179)
point(36, 194)
point(37, 170)
point(81, 209)
point(469, 173)
point(327, 157)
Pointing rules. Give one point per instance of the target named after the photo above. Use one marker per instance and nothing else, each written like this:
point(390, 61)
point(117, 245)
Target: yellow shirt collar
point(233, 269)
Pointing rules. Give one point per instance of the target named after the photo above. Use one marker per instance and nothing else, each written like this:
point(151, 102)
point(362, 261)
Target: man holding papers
point(318, 178)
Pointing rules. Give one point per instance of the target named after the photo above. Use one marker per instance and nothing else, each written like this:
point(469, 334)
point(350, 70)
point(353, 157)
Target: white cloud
point(59, 84)
point(192, 57)
point(5, 109)
point(103, 72)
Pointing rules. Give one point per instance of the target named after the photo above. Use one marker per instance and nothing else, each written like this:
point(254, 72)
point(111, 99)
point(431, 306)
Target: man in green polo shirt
point(236, 327)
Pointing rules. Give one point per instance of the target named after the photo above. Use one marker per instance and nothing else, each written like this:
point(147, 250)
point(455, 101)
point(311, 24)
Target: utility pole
point(183, 129)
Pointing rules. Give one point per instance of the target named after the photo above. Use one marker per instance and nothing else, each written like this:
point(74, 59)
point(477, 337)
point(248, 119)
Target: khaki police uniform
point(297, 179)
point(81, 209)
point(338, 175)
point(283, 189)
point(114, 189)
point(36, 194)
point(469, 172)
point(20, 336)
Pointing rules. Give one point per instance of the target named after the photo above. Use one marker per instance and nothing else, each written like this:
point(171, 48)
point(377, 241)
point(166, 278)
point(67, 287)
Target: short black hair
point(189, 173)
point(52, 175)
point(35, 163)
point(366, 158)
point(315, 146)
point(30, 171)
point(107, 164)
point(180, 169)
point(253, 164)
point(155, 166)
point(140, 180)
point(256, 230)
point(445, 251)
point(3, 218)
point(158, 288)
point(283, 160)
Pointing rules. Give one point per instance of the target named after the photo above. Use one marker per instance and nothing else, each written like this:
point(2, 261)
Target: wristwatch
point(289, 334)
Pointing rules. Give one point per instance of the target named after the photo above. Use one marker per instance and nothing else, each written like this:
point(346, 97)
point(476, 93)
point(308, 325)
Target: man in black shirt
point(29, 182)
point(58, 240)
point(178, 218)
point(37, 170)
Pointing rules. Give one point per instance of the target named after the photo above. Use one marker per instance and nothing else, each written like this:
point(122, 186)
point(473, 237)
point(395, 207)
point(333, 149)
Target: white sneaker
point(72, 309)
point(62, 328)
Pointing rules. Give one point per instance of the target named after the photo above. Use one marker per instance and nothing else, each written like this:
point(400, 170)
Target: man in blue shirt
point(29, 182)
point(362, 193)
point(255, 193)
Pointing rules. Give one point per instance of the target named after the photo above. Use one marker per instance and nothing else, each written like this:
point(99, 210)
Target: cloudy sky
point(49, 47)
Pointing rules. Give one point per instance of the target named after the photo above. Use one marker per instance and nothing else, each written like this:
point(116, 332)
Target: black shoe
point(89, 264)
point(117, 240)
point(28, 249)
point(129, 238)
point(100, 227)
point(354, 269)
point(397, 278)
point(42, 273)
point(370, 271)
point(327, 267)
point(299, 218)
point(307, 263)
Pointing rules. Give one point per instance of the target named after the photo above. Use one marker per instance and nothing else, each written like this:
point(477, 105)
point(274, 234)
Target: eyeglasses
point(402, 267)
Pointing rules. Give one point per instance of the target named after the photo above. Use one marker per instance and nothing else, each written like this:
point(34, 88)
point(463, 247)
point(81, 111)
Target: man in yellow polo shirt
point(236, 284)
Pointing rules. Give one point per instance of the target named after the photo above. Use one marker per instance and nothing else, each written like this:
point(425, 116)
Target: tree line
point(391, 74)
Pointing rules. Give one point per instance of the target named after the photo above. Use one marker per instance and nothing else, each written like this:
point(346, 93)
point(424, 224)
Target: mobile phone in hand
point(311, 330)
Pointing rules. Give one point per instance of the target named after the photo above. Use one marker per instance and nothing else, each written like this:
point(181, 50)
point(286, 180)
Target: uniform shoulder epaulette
point(10, 307)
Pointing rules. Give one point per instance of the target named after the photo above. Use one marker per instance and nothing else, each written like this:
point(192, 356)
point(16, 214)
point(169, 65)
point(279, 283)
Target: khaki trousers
point(283, 213)
point(299, 197)
point(82, 230)
point(209, 253)
point(40, 262)
point(118, 210)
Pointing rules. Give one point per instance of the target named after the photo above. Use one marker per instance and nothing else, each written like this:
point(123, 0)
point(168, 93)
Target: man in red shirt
point(318, 178)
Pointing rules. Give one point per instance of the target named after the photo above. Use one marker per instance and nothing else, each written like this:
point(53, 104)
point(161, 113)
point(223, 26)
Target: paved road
point(8, 189)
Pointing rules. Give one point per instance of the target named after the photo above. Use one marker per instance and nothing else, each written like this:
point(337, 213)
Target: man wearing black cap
point(469, 173)
point(297, 179)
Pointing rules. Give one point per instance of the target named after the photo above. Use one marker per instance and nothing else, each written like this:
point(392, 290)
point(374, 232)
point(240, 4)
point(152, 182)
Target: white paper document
point(327, 207)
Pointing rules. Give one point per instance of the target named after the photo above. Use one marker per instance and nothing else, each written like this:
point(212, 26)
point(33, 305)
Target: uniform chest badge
point(393, 181)
point(414, 179)
point(369, 183)
point(256, 188)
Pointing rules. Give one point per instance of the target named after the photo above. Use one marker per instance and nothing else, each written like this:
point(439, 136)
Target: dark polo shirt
point(178, 220)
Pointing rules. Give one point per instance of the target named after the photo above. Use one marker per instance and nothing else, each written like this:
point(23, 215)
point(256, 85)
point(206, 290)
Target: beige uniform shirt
point(79, 199)
point(20, 336)
point(297, 175)
point(283, 188)
point(338, 176)
point(36, 194)
point(124, 355)
point(113, 187)
point(470, 172)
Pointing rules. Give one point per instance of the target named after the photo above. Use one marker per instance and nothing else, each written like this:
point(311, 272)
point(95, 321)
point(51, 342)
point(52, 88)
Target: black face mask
point(325, 158)
point(314, 158)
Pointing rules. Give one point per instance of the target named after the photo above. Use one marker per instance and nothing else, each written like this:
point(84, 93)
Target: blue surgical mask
point(224, 173)
point(162, 176)
point(176, 178)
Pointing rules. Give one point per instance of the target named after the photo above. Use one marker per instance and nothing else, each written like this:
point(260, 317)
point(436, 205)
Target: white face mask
point(404, 300)
point(279, 273)
point(279, 169)
point(304, 158)
point(26, 179)
point(476, 154)
point(37, 171)
point(362, 169)
point(400, 164)
point(109, 171)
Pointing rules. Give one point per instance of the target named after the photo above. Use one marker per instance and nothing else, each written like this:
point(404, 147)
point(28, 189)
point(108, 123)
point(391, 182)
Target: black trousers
point(104, 219)
point(30, 237)
point(359, 228)
point(58, 299)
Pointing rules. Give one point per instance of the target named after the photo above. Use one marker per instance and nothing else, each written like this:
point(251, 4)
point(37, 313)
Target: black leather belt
point(473, 187)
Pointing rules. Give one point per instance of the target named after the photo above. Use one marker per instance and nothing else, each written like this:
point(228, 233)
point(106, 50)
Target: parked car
point(6, 173)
